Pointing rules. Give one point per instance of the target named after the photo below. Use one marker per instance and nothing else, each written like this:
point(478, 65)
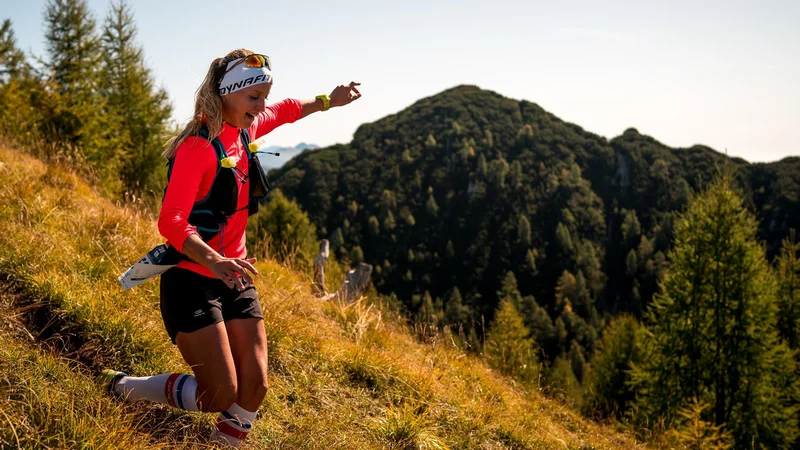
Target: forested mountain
point(450, 195)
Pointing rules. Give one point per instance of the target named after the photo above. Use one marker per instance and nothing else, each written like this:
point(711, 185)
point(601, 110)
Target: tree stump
point(355, 281)
point(318, 287)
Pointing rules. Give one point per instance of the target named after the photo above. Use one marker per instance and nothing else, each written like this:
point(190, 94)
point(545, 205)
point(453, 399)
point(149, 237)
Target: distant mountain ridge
point(286, 154)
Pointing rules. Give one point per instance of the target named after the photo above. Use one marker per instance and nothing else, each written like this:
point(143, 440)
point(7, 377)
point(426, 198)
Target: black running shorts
point(190, 301)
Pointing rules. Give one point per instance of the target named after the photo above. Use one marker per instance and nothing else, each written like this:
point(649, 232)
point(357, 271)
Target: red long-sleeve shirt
point(193, 173)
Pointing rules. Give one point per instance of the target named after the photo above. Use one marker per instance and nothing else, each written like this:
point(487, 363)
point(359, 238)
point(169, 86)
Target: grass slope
point(341, 376)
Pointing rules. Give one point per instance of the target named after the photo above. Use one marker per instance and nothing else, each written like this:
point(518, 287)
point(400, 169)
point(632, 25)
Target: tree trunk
point(355, 282)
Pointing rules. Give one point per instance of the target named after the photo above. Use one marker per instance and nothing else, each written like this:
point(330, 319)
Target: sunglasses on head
point(255, 60)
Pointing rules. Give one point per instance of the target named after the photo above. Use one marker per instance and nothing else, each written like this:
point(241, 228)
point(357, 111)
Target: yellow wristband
point(326, 102)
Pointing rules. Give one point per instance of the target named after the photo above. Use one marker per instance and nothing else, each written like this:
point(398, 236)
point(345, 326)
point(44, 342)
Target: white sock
point(233, 426)
point(175, 389)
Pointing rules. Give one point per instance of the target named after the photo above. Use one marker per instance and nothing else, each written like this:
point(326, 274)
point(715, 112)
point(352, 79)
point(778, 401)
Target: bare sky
point(719, 73)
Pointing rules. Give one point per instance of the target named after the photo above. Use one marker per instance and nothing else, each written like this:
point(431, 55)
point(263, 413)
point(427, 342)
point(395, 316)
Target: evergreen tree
point(142, 109)
point(577, 361)
point(449, 250)
point(427, 310)
point(73, 47)
point(489, 138)
point(285, 228)
point(509, 347)
point(482, 166)
point(352, 209)
point(589, 264)
point(563, 383)
point(644, 252)
point(713, 328)
point(696, 433)
point(609, 390)
point(583, 302)
point(337, 239)
point(431, 206)
point(356, 255)
point(566, 249)
point(388, 221)
point(509, 290)
point(530, 263)
point(374, 226)
point(408, 276)
point(406, 156)
point(79, 114)
point(540, 324)
point(12, 59)
point(428, 318)
point(631, 264)
point(388, 200)
point(524, 232)
point(525, 134)
point(498, 170)
point(73, 62)
point(580, 331)
point(631, 229)
point(566, 291)
point(455, 313)
point(430, 142)
point(405, 214)
point(789, 292)
point(561, 334)
point(650, 269)
point(22, 94)
point(516, 174)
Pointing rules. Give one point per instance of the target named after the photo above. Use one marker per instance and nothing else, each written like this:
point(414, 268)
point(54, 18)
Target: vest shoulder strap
point(245, 136)
point(219, 149)
point(216, 143)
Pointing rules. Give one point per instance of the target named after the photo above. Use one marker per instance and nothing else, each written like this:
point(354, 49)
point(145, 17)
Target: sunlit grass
point(341, 375)
point(409, 427)
point(46, 403)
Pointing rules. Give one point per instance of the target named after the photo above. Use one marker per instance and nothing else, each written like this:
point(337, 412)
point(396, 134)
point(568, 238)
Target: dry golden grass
point(44, 403)
point(341, 376)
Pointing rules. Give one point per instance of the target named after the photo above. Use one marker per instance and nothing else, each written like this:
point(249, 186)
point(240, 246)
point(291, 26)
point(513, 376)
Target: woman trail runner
point(208, 302)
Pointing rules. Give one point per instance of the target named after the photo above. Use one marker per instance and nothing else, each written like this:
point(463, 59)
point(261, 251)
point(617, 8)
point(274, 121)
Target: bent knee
point(254, 386)
point(217, 398)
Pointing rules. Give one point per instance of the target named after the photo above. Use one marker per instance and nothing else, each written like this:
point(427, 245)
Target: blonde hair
point(208, 104)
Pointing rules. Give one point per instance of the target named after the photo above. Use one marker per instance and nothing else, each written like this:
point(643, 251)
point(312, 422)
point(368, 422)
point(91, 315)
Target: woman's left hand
point(345, 94)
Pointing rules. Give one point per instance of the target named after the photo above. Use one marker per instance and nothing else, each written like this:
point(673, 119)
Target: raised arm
point(341, 95)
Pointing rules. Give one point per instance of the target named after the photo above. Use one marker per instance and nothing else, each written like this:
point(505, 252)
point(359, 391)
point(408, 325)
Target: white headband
point(242, 76)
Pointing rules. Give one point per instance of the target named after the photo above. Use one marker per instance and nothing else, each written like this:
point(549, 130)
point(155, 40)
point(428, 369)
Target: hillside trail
point(34, 320)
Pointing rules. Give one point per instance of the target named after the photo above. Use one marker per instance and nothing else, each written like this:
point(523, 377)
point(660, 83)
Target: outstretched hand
point(234, 271)
point(345, 94)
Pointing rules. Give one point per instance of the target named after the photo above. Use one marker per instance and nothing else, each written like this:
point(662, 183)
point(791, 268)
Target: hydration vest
point(210, 214)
